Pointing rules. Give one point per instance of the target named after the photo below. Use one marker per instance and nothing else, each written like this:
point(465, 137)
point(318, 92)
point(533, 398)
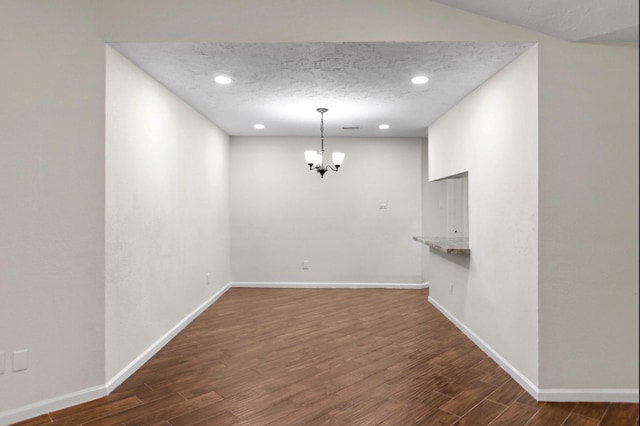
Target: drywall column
point(51, 202)
point(589, 220)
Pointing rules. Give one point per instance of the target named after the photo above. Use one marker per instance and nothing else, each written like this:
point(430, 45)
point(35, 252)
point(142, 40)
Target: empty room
point(292, 212)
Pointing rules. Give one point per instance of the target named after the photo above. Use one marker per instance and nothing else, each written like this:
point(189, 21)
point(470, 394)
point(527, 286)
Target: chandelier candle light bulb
point(315, 159)
point(337, 158)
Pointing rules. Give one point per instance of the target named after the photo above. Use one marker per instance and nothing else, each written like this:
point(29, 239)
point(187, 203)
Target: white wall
point(167, 215)
point(282, 213)
point(589, 217)
point(52, 187)
point(51, 203)
point(434, 204)
point(493, 134)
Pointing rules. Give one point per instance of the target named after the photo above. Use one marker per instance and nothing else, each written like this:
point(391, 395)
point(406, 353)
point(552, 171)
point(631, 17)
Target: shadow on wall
point(460, 260)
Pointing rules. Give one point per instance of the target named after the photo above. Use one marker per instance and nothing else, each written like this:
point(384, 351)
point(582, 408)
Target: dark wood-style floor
point(326, 357)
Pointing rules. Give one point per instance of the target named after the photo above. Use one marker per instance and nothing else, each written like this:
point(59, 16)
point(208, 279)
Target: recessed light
point(222, 79)
point(383, 126)
point(420, 79)
point(258, 126)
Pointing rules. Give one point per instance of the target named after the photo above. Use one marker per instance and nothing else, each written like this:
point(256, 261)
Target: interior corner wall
point(493, 134)
point(167, 215)
point(283, 213)
point(588, 290)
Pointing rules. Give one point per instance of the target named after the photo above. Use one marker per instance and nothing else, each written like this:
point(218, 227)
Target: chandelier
point(315, 159)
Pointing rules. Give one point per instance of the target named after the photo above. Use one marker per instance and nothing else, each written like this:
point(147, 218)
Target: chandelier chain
point(322, 131)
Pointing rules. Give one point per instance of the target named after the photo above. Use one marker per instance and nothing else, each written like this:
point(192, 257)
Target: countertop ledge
point(452, 245)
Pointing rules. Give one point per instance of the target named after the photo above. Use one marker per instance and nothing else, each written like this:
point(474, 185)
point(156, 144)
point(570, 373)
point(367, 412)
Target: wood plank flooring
point(326, 357)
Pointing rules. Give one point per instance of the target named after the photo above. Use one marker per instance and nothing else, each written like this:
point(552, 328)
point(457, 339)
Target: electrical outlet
point(305, 264)
point(208, 276)
point(382, 204)
point(1, 362)
point(451, 290)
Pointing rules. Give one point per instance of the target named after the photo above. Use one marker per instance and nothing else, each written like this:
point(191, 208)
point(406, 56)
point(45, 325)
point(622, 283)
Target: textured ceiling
point(572, 20)
point(362, 84)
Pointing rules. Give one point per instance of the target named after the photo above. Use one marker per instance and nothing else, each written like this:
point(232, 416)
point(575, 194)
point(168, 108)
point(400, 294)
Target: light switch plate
point(20, 360)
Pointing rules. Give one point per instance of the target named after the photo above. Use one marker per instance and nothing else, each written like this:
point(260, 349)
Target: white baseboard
point(588, 395)
point(53, 404)
point(555, 395)
point(328, 285)
point(145, 356)
point(134, 365)
point(85, 395)
point(503, 363)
